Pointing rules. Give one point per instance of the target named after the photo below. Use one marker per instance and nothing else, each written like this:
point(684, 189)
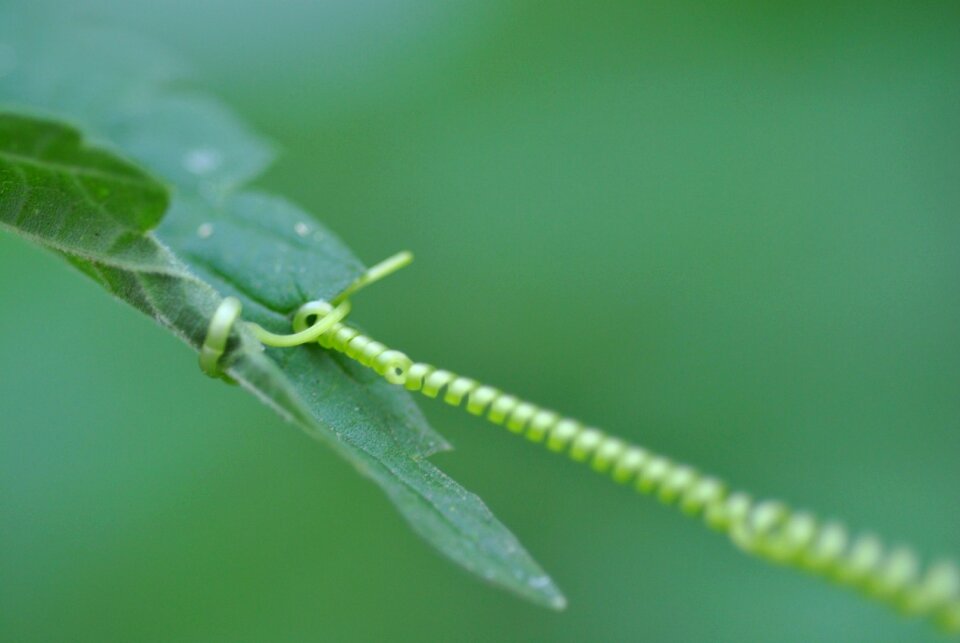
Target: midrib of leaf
point(74, 170)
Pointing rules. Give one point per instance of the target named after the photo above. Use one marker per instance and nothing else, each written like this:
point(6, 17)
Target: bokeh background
point(728, 231)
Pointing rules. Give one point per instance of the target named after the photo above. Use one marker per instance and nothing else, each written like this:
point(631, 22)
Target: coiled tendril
point(766, 528)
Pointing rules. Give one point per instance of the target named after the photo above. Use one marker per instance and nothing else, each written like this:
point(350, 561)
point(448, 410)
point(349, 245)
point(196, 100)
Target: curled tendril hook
point(218, 332)
point(228, 312)
point(768, 529)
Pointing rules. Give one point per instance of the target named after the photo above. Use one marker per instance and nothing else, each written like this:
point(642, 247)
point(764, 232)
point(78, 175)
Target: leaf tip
point(559, 603)
point(547, 594)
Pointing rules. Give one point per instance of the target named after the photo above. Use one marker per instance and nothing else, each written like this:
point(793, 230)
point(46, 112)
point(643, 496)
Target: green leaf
point(67, 195)
point(217, 240)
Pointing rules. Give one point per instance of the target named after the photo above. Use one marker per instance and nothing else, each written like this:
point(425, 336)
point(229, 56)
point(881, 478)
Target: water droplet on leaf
point(202, 160)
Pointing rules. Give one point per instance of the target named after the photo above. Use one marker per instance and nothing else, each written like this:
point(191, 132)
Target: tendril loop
point(767, 529)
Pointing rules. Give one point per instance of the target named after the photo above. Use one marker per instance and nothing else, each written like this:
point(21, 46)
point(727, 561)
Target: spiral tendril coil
point(769, 529)
point(765, 528)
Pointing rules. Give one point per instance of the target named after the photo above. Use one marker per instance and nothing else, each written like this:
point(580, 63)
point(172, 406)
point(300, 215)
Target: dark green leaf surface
point(218, 240)
point(66, 195)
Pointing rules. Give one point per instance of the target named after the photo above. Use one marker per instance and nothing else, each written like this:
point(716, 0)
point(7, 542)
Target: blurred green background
point(729, 233)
